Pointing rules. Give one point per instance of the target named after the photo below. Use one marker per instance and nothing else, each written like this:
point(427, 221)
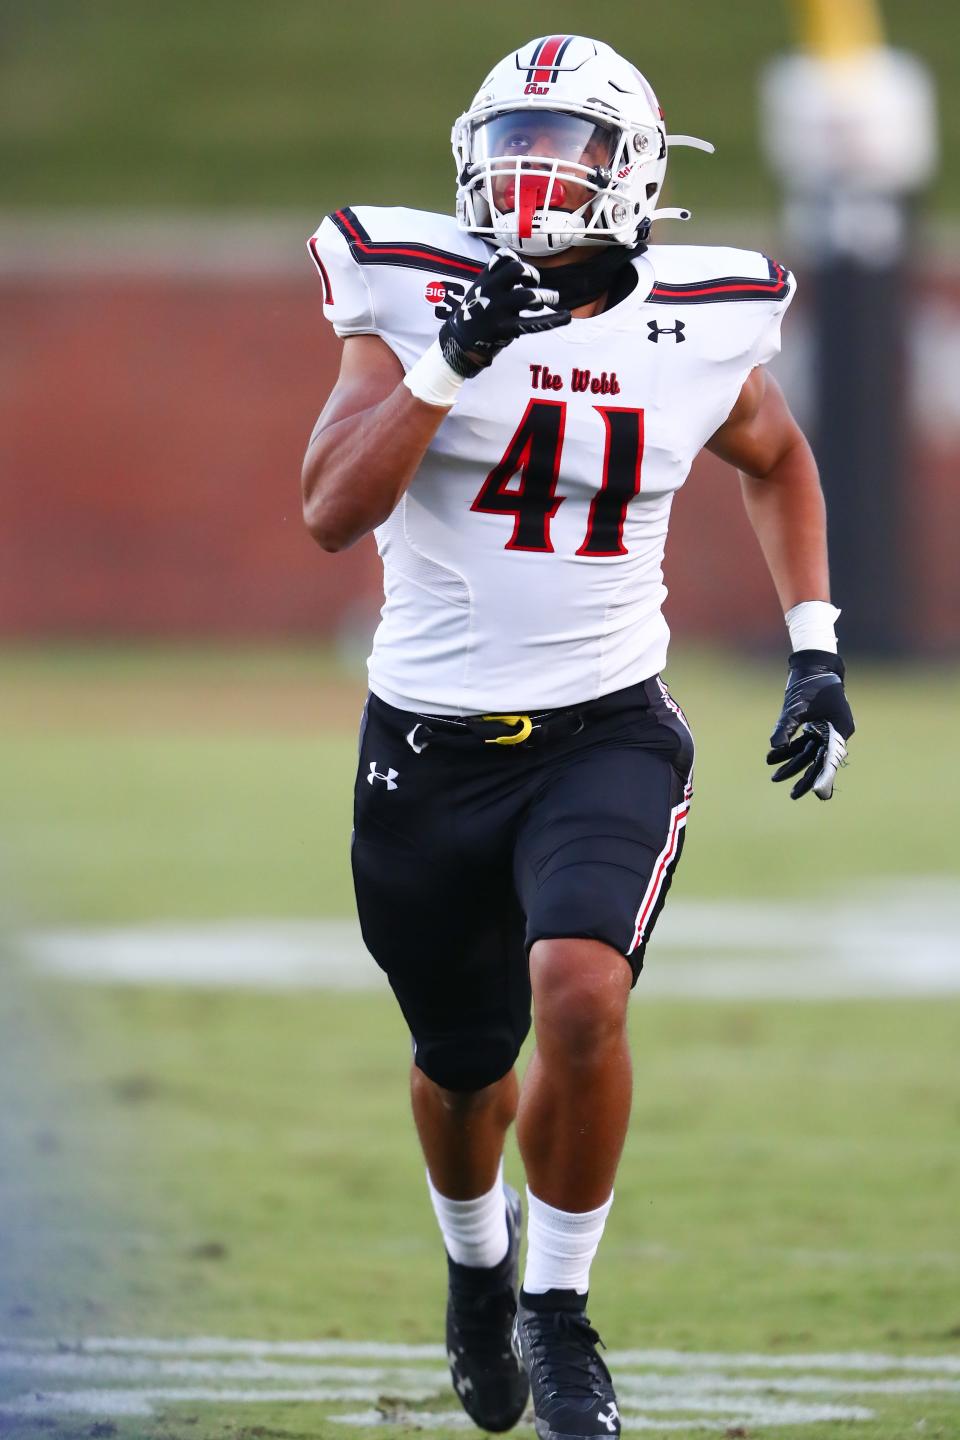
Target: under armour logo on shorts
point(390, 779)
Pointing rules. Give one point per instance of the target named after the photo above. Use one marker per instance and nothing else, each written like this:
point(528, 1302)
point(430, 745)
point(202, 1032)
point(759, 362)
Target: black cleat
point(573, 1395)
point(487, 1375)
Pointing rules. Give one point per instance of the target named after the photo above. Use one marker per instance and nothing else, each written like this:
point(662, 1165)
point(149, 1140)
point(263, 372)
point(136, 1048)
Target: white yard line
point(661, 1390)
point(845, 1361)
point(409, 1381)
point(705, 1414)
point(761, 1415)
point(900, 941)
point(356, 1381)
point(221, 1345)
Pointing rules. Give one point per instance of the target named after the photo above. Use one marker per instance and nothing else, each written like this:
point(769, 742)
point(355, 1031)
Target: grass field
point(152, 784)
point(127, 104)
point(177, 1164)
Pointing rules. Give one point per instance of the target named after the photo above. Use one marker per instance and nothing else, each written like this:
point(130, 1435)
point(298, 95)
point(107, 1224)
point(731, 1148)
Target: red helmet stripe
point(545, 56)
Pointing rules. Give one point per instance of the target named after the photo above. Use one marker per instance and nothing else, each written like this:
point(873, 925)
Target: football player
point(522, 391)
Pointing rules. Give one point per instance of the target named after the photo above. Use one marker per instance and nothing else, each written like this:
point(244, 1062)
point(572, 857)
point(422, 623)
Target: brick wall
point(151, 433)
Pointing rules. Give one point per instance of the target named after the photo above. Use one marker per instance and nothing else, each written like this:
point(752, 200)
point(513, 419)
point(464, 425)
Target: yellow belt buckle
point(524, 733)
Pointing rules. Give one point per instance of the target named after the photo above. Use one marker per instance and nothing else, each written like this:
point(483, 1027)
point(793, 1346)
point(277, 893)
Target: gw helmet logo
point(390, 779)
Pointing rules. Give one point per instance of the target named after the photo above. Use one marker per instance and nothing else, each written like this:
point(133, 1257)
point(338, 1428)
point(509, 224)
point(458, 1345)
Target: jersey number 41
point(534, 454)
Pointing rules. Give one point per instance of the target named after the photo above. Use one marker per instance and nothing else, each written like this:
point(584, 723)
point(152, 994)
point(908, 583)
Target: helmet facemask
point(591, 165)
point(540, 179)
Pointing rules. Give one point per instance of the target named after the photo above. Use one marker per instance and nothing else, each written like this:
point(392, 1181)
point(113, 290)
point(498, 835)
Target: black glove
point(816, 701)
point(488, 317)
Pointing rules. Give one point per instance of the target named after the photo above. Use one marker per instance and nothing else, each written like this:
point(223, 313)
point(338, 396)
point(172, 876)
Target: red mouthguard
point(533, 196)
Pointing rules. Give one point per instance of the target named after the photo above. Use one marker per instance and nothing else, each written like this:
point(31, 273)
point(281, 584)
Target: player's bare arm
point(373, 433)
point(781, 489)
point(784, 501)
point(366, 446)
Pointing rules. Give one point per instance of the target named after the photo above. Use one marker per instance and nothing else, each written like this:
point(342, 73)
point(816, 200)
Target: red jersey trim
point(726, 287)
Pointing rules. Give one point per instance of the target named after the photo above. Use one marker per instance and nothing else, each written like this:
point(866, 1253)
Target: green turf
point(221, 1164)
point(181, 796)
point(128, 103)
point(180, 1163)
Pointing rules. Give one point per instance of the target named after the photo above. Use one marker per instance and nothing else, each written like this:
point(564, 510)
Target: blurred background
point(163, 345)
point(202, 1082)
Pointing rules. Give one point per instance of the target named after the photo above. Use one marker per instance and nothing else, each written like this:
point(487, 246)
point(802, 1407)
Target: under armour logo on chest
point(390, 779)
point(657, 330)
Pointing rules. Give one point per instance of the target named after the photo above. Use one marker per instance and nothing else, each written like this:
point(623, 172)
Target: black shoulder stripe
point(413, 256)
point(726, 287)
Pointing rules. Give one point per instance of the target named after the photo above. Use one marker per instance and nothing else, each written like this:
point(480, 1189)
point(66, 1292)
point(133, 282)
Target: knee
point(499, 1099)
point(580, 990)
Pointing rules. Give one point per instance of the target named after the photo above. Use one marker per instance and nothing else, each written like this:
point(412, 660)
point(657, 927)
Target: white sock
point(474, 1231)
point(561, 1246)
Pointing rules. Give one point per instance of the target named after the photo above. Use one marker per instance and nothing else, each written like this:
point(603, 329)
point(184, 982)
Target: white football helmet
point(564, 144)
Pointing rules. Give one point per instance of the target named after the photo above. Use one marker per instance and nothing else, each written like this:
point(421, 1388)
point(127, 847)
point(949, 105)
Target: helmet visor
point(546, 135)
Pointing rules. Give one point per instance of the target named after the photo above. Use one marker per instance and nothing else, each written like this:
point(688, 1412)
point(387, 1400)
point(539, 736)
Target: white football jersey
point(522, 568)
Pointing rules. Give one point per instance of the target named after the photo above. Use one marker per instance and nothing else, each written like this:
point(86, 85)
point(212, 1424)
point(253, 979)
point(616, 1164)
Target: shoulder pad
point(352, 245)
point(410, 239)
point(348, 303)
point(717, 274)
point(710, 274)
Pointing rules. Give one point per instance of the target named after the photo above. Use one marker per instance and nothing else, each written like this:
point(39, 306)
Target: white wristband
point(432, 380)
point(811, 625)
